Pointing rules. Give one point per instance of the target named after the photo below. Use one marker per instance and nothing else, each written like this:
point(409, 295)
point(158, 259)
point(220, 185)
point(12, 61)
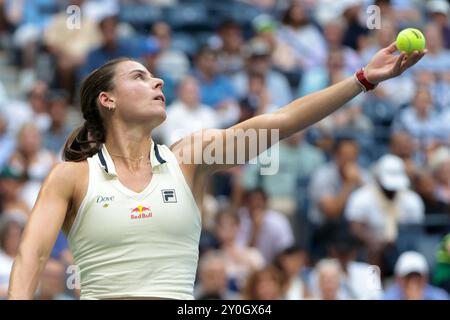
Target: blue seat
point(189, 16)
point(141, 17)
point(244, 13)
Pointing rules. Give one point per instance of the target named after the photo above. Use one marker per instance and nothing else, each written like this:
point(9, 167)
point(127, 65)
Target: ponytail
point(81, 145)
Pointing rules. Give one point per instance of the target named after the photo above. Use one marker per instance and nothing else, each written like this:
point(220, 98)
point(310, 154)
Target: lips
point(160, 97)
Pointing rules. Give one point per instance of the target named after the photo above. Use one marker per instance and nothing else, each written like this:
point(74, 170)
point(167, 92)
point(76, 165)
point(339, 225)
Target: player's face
point(138, 94)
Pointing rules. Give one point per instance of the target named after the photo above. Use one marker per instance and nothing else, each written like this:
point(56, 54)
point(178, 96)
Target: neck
point(125, 145)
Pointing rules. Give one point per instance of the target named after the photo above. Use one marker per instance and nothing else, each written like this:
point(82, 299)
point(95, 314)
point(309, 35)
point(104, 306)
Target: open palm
point(385, 65)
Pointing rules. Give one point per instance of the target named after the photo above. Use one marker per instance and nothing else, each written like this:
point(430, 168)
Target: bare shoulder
point(67, 176)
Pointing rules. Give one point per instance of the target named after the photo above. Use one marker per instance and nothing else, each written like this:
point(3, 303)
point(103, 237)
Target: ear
point(106, 100)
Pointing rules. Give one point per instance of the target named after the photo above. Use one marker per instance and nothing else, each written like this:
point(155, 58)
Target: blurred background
point(360, 207)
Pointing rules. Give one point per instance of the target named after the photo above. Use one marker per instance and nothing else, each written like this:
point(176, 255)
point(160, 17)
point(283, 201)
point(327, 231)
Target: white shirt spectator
point(359, 283)
point(364, 207)
point(276, 233)
point(182, 121)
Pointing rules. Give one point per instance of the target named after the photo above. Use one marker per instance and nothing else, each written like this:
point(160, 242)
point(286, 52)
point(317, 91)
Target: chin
point(157, 117)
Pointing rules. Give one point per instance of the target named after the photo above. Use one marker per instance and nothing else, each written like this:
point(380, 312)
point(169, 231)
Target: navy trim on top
point(102, 160)
point(158, 156)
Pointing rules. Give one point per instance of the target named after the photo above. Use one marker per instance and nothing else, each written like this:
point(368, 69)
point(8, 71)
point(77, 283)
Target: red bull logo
point(140, 212)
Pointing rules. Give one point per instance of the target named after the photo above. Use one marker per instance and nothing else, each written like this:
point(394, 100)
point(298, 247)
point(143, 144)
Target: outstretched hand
point(385, 65)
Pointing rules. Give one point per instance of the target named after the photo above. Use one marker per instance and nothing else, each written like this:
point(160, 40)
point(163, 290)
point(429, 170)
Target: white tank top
point(127, 244)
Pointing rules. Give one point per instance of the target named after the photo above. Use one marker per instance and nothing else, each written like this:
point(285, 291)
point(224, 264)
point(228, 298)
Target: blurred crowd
point(360, 206)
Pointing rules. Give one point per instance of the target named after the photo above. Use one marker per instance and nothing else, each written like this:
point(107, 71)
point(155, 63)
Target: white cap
point(438, 6)
point(390, 171)
point(409, 262)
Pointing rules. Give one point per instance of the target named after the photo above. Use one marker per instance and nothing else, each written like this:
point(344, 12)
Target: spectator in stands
point(425, 185)
point(38, 101)
point(438, 11)
point(438, 58)
point(55, 137)
point(283, 55)
point(404, 13)
point(258, 60)
point(328, 276)
point(440, 164)
point(70, 55)
point(441, 276)
point(7, 144)
point(170, 63)
point(402, 146)
point(11, 183)
point(350, 116)
point(376, 210)
point(216, 90)
point(34, 109)
point(321, 77)
point(292, 262)
point(52, 283)
point(11, 228)
point(411, 272)
point(29, 19)
point(187, 114)
point(267, 230)
point(212, 278)
point(257, 100)
point(422, 122)
point(111, 47)
point(297, 159)
point(266, 284)
point(435, 69)
point(32, 161)
point(298, 32)
point(240, 261)
point(356, 33)
point(230, 56)
point(334, 32)
point(359, 279)
point(329, 190)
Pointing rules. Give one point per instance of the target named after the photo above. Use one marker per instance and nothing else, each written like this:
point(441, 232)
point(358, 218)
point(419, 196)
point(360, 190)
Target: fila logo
point(169, 195)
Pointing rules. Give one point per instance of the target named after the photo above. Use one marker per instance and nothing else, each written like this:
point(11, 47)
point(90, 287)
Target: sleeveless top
point(127, 244)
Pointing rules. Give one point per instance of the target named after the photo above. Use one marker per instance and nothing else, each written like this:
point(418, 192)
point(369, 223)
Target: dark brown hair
point(86, 140)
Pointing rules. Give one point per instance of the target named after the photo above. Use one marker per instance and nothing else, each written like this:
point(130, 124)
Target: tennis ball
point(410, 40)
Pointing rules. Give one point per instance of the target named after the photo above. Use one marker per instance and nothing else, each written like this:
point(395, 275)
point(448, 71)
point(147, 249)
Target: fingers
point(398, 63)
point(391, 48)
point(412, 59)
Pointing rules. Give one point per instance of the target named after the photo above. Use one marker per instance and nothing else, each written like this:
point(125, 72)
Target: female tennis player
point(130, 207)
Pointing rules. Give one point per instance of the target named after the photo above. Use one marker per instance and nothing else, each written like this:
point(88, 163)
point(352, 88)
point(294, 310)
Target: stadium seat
point(189, 17)
point(141, 17)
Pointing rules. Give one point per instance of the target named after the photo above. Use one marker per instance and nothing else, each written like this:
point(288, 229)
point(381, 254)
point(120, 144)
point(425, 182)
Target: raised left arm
point(291, 118)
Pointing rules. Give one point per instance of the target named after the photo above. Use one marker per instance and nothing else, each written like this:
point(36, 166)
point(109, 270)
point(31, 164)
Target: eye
point(139, 76)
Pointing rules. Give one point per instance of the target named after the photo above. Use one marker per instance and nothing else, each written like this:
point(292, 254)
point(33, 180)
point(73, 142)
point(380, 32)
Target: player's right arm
point(41, 231)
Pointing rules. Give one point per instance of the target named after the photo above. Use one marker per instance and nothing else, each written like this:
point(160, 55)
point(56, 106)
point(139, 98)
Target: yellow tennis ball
point(409, 40)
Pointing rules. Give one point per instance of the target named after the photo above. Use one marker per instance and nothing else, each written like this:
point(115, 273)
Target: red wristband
point(365, 84)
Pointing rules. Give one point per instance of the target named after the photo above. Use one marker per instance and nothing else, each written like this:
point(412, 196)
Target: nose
point(158, 83)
